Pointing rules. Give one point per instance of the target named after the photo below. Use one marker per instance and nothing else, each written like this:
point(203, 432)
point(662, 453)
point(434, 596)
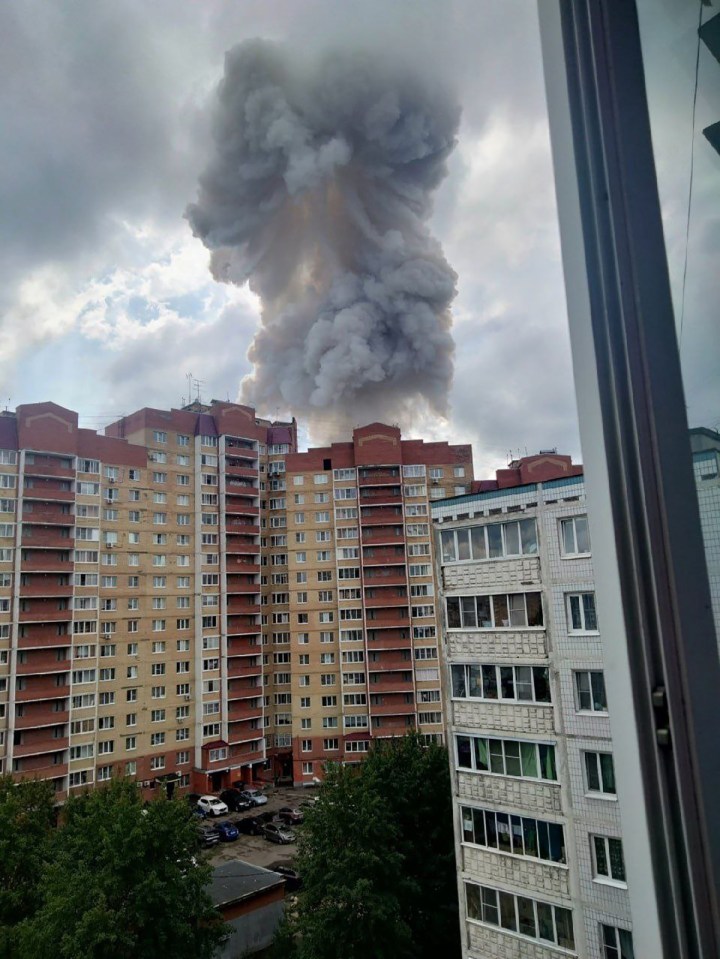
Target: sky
point(107, 301)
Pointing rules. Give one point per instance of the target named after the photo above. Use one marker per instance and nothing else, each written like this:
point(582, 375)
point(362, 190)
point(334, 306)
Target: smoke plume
point(318, 193)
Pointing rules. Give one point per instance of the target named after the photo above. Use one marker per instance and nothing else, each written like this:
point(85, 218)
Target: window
point(582, 617)
point(608, 861)
point(616, 943)
point(527, 917)
point(513, 610)
point(599, 773)
point(575, 536)
point(513, 834)
point(491, 541)
point(510, 683)
point(506, 757)
point(590, 691)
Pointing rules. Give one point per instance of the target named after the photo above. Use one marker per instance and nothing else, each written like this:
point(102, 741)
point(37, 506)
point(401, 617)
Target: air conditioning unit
point(187, 697)
point(112, 480)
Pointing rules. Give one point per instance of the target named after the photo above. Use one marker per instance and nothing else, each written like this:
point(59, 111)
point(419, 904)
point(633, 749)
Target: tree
point(122, 881)
point(377, 860)
point(27, 818)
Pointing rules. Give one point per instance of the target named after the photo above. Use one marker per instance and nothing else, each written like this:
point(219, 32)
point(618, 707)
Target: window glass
point(477, 537)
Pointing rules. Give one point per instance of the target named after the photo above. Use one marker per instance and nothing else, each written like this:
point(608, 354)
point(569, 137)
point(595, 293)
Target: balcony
point(383, 556)
point(45, 611)
point(240, 564)
point(47, 515)
point(380, 576)
point(38, 768)
point(381, 536)
point(45, 537)
point(384, 598)
point(379, 476)
point(389, 639)
point(238, 547)
point(242, 472)
point(45, 585)
point(242, 605)
point(387, 727)
point(381, 515)
point(40, 688)
point(242, 711)
point(41, 636)
point(45, 561)
point(244, 689)
point(392, 683)
point(242, 585)
point(243, 625)
point(42, 661)
point(389, 618)
point(389, 708)
point(390, 496)
point(242, 646)
point(49, 492)
point(46, 466)
point(240, 668)
point(388, 662)
point(235, 528)
point(40, 716)
point(237, 506)
point(39, 744)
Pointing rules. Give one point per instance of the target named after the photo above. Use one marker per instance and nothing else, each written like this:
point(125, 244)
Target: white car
point(212, 806)
point(256, 797)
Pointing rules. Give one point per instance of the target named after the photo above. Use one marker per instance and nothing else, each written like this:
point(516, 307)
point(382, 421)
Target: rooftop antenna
point(197, 384)
point(189, 378)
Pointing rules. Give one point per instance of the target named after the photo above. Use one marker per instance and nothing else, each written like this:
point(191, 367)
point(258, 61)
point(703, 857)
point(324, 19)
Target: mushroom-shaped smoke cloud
point(318, 193)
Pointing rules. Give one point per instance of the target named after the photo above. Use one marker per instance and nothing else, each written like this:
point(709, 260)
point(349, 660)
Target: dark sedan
point(250, 826)
point(227, 831)
point(290, 816)
point(235, 801)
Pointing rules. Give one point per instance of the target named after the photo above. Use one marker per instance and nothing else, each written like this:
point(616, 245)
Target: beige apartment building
point(189, 601)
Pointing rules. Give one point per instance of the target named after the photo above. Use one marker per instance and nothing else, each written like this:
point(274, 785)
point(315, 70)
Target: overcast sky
point(106, 299)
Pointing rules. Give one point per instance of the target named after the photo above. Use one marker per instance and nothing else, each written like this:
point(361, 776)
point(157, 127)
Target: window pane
point(503, 832)
point(512, 539)
point(481, 754)
point(516, 834)
point(617, 863)
point(447, 543)
point(582, 534)
point(564, 927)
point(575, 612)
point(530, 837)
point(507, 911)
point(582, 684)
point(475, 681)
point(494, 535)
point(524, 683)
point(453, 612)
point(463, 544)
point(626, 944)
point(467, 825)
point(601, 863)
point(516, 605)
point(545, 922)
point(489, 905)
point(490, 682)
point(512, 759)
point(608, 772)
point(547, 762)
point(568, 536)
point(528, 536)
point(541, 679)
point(464, 752)
point(507, 683)
point(458, 681)
point(483, 611)
point(501, 611)
point(534, 609)
point(589, 610)
point(526, 917)
point(543, 841)
point(529, 760)
point(597, 682)
point(557, 842)
point(490, 830)
point(479, 825)
point(592, 772)
point(469, 615)
point(472, 894)
point(497, 762)
point(477, 541)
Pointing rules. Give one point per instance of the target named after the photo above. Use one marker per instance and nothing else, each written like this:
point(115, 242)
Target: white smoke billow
point(318, 193)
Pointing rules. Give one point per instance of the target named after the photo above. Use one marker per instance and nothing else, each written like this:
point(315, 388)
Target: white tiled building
point(537, 824)
point(706, 465)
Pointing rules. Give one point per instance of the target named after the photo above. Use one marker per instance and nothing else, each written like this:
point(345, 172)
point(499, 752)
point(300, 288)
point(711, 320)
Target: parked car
point(290, 816)
point(250, 826)
point(255, 797)
point(192, 799)
point(235, 801)
point(293, 882)
point(276, 832)
point(208, 836)
point(227, 831)
point(212, 806)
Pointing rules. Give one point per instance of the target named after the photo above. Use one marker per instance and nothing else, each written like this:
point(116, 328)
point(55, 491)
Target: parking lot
point(257, 849)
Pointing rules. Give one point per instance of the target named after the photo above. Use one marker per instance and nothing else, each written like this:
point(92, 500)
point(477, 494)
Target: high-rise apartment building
point(130, 594)
point(705, 445)
point(537, 825)
point(363, 655)
point(186, 599)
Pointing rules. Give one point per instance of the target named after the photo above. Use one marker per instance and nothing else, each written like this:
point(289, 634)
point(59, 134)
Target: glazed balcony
point(49, 466)
point(45, 560)
point(247, 751)
point(54, 514)
point(46, 537)
point(45, 585)
point(39, 688)
point(245, 729)
point(40, 715)
point(380, 576)
point(43, 661)
point(383, 556)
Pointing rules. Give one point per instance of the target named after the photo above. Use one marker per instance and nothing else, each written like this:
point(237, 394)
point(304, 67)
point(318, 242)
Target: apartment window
point(327, 679)
point(511, 683)
point(599, 773)
point(131, 695)
point(183, 440)
point(519, 914)
point(590, 691)
point(157, 692)
point(159, 436)
point(507, 757)
point(582, 617)
point(157, 762)
point(491, 541)
point(504, 611)
point(301, 557)
point(159, 477)
point(323, 535)
point(131, 672)
point(330, 722)
point(608, 861)
point(426, 652)
point(616, 943)
point(575, 536)
point(326, 617)
point(513, 834)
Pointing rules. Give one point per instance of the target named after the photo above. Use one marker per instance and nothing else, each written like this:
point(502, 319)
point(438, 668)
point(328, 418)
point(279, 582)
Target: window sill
point(512, 856)
point(607, 797)
point(602, 713)
point(606, 881)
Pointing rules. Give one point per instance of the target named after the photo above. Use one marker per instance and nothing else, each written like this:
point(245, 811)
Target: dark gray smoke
point(318, 193)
